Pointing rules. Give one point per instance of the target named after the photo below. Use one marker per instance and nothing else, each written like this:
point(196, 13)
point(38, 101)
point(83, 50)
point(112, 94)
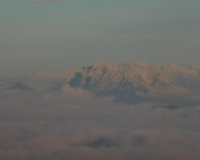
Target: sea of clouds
point(74, 124)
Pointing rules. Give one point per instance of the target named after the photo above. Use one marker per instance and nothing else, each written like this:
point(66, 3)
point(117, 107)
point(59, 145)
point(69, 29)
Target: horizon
point(63, 72)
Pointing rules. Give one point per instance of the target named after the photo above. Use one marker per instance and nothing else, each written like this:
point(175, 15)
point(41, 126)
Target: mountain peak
point(20, 86)
point(194, 66)
point(142, 64)
point(174, 66)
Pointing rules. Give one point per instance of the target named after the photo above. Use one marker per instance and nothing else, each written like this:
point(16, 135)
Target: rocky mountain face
point(133, 79)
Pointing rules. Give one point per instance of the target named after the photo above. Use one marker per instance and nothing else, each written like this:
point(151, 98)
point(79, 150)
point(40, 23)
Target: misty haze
point(99, 80)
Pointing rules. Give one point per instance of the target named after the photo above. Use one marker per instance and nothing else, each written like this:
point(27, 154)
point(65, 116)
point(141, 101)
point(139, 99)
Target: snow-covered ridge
point(140, 77)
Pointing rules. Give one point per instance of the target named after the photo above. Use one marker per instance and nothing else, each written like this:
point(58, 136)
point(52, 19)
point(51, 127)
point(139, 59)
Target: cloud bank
point(75, 124)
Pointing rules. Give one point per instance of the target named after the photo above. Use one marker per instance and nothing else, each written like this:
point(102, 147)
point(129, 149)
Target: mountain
point(188, 78)
point(20, 86)
point(133, 80)
point(130, 82)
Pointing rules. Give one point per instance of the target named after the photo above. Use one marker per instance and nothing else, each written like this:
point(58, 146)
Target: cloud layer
point(75, 124)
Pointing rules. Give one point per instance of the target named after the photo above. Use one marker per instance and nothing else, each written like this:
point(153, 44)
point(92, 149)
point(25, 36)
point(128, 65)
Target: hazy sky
point(41, 35)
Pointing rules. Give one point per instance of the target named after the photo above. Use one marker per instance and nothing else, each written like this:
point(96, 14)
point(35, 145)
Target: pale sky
point(47, 35)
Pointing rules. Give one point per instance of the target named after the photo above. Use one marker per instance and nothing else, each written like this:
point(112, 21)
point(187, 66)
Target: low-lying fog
point(74, 124)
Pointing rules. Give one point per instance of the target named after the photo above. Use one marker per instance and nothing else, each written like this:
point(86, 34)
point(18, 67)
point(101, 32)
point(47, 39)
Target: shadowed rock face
point(74, 82)
point(20, 86)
